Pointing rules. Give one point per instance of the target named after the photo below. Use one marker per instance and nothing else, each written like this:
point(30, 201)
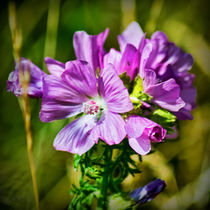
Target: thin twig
point(24, 78)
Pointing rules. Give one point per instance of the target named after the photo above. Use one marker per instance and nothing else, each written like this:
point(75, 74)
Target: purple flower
point(54, 67)
point(162, 64)
point(131, 42)
point(141, 132)
point(78, 91)
point(35, 85)
point(166, 94)
point(90, 47)
point(148, 192)
point(169, 62)
point(133, 35)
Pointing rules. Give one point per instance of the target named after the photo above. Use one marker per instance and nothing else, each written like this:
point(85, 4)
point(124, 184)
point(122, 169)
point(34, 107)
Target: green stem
point(105, 178)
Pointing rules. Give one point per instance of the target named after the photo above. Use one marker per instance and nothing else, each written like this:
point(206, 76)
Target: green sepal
point(138, 95)
point(164, 114)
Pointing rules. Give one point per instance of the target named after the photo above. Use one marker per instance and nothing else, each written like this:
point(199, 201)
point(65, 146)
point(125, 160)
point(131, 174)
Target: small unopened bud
point(148, 192)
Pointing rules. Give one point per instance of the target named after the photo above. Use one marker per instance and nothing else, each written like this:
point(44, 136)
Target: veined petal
point(166, 95)
point(149, 79)
point(135, 126)
point(188, 94)
point(184, 63)
point(141, 131)
point(110, 128)
point(140, 145)
point(80, 77)
point(159, 35)
point(132, 35)
point(59, 100)
point(146, 51)
point(174, 55)
point(114, 58)
point(76, 137)
point(166, 55)
point(90, 47)
point(54, 67)
point(113, 91)
point(130, 61)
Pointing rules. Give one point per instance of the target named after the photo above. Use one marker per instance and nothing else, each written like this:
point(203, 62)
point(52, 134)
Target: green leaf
point(166, 115)
point(77, 160)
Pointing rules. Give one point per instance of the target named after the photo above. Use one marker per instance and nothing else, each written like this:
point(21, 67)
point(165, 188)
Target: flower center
point(90, 107)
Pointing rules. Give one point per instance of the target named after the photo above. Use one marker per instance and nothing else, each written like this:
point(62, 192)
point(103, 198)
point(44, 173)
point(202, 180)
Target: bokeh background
point(47, 30)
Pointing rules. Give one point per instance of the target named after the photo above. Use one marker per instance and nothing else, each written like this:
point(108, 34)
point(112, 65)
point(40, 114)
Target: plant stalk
point(24, 78)
point(105, 178)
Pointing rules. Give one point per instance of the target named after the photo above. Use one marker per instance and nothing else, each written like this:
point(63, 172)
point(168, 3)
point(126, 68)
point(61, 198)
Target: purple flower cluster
point(161, 65)
point(74, 89)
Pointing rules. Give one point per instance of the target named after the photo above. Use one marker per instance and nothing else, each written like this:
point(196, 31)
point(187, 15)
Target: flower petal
point(140, 145)
point(141, 131)
point(80, 77)
point(188, 94)
point(35, 85)
point(174, 56)
point(132, 35)
point(146, 51)
point(135, 126)
point(184, 114)
point(59, 100)
point(166, 95)
point(159, 35)
point(113, 91)
point(110, 128)
point(114, 58)
point(130, 61)
point(76, 137)
point(166, 57)
point(149, 78)
point(54, 67)
point(90, 47)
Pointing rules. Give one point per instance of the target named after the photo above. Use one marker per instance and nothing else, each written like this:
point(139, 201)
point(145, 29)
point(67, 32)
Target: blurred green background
point(47, 29)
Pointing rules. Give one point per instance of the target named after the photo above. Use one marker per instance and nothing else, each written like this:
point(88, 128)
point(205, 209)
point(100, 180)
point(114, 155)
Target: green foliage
point(126, 81)
point(103, 170)
point(165, 115)
point(83, 196)
point(138, 96)
point(165, 118)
